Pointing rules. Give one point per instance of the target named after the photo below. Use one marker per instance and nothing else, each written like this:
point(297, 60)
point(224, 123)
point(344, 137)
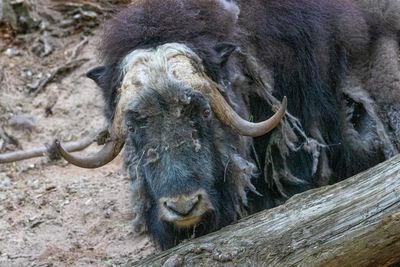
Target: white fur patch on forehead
point(155, 57)
point(155, 68)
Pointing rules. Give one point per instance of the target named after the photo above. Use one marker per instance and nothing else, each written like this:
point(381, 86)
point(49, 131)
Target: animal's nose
point(185, 210)
point(184, 205)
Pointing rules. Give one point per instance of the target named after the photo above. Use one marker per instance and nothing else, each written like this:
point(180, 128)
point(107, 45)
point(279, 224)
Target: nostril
point(169, 205)
point(199, 196)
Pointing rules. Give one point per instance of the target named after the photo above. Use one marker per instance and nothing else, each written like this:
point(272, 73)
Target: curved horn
point(110, 149)
point(96, 160)
point(230, 118)
point(117, 133)
point(126, 92)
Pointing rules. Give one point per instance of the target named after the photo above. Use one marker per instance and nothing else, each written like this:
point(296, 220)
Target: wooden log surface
point(353, 223)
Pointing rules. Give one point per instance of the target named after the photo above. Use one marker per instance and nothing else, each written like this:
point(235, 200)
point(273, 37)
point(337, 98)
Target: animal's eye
point(206, 113)
point(131, 128)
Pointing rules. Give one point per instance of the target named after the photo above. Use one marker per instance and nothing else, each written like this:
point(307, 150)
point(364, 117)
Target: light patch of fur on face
point(156, 67)
point(153, 69)
point(147, 65)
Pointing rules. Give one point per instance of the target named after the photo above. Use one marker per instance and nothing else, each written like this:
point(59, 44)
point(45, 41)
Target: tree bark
point(353, 223)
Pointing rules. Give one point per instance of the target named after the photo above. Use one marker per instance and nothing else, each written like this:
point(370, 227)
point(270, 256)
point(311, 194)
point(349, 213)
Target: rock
point(12, 52)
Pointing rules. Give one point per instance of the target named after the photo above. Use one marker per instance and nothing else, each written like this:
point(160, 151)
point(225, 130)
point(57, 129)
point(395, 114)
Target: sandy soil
point(52, 213)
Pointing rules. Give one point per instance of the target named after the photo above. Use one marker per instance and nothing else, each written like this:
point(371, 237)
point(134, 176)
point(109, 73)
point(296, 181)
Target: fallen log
point(353, 223)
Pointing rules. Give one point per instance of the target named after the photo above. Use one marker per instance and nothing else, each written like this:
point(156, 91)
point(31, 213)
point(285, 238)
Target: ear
point(97, 73)
point(224, 50)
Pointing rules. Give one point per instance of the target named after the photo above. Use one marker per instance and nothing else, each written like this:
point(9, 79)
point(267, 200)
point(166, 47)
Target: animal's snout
point(182, 206)
point(185, 210)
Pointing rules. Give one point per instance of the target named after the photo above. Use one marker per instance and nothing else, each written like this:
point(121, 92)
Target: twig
point(50, 151)
point(67, 67)
point(77, 49)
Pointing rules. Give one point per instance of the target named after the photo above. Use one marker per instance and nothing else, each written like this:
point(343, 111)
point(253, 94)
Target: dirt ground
point(52, 213)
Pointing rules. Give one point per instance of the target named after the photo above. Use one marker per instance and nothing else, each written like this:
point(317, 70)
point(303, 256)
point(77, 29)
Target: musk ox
point(192, 90)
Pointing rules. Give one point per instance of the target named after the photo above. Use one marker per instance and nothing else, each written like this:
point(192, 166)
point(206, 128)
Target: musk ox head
point(185, 144)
